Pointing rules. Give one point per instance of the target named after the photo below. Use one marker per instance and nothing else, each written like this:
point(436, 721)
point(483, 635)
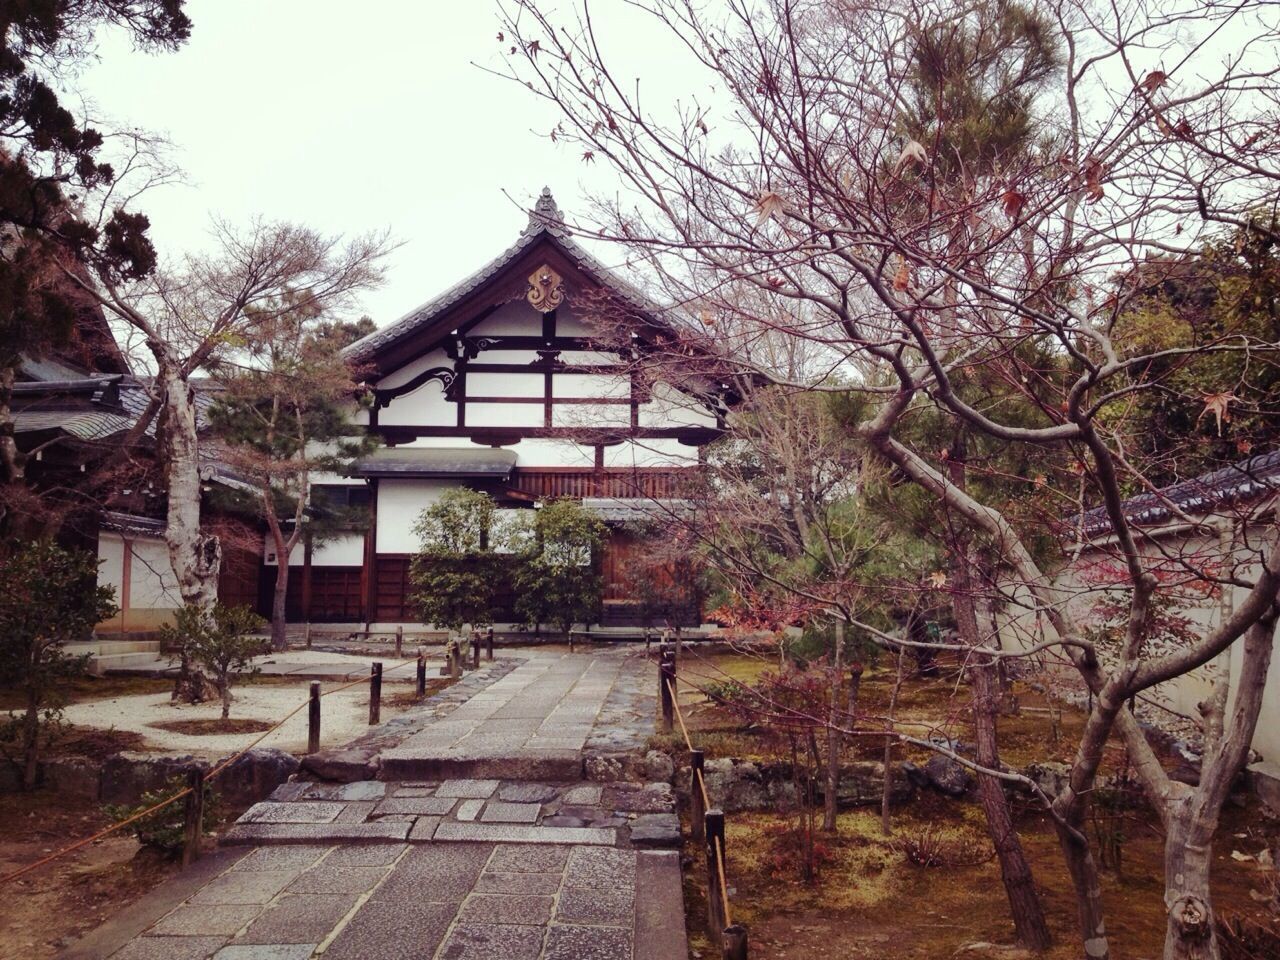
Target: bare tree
point(794, 177)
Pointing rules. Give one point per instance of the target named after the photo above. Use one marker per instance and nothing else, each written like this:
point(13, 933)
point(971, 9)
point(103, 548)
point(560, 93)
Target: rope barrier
point(724, 884)
point(21, 871)
point(702, 783)
point(706, 802)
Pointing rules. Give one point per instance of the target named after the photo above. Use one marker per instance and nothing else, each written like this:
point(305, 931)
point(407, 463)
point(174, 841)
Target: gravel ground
point(344, 716)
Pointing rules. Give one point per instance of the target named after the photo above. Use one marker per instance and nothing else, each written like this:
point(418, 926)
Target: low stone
point(862, 784)
point(298, 812)
point(467, 789)
point(522, 833)
point(560, 820)
point(294, 790)
point(481, 941)
point(72, 777)
point(416, 806)
point(127, 776)
point(948, 777)
point(255, 775)
point(735, 785)
point(360, 790)
point(567, 942)
point(314, 832)
point(659, 767)
point(527, 792)
point(656, 830)
point(266, 951)
point(587, 795)
point(602, 768)
point(345, 765)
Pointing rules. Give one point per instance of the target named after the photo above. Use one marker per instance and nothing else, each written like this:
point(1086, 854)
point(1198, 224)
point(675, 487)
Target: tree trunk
point(1188, 855)
point(31, 742)
point(194, 555)
point(1019, 883)
point(279, 626)
point(224, 691)
point(831, 799)
point(885, 826)
point(1084, 878)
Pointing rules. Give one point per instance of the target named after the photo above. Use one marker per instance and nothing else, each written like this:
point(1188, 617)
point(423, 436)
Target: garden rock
point(948, 777)
point(659, 766)
point(343, 765)
point(1050, 776)
point(72, 777)
point(127, 776)
point(863, 784)
point(254, 775)
point(735, 784)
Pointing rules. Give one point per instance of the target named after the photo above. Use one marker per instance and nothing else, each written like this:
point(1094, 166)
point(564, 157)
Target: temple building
point(519, 381)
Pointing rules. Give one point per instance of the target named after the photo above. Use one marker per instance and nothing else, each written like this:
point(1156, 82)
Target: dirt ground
point(869, 901)
point(49, 908)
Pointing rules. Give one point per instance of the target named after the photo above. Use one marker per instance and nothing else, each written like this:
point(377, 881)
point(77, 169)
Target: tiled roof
point(437, 462)
point(627, 510)
point(131, 523)
point(545, 220)
point(1239, 483)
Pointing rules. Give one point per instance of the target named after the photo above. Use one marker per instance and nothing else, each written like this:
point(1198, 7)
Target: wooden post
point(648, 640)
point(666, 688)
point(306, 634)
point(422, 675)
point(488, 643)
point(455, 659)
point(375, 692)
point(475, 650)
point(714, 828)
point(399, 640)
point(194, 816)
point(313, 718)
point(697, 808)
point(734, 944)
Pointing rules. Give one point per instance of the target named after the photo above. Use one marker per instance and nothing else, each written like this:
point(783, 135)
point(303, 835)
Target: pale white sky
point(348, 118)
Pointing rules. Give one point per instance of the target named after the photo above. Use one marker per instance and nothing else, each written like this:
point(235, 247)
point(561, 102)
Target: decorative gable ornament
point(546, 289)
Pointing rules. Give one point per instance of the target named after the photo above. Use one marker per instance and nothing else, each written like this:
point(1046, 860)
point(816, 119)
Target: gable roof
point(546, 227)
point(1241, 482)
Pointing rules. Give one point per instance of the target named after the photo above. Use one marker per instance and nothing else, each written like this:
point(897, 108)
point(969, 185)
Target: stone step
point(408, 763)
point(108, 647)
point(134, 664)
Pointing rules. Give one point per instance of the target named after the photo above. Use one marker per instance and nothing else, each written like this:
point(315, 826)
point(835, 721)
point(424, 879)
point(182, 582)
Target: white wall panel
point(584, 415)
point(504, 415)
point(435, 358)
point(425, 406)
point(540, 452)
point(344, 551)
point(505, 384)
point(511, 319)
point(399, 504)
point(152, 583)
point(669, 407)
point(111, 567)
point(650, 453)
point(604, 386)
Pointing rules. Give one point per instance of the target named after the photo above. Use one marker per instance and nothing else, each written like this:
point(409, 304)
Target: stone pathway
point(481, 838)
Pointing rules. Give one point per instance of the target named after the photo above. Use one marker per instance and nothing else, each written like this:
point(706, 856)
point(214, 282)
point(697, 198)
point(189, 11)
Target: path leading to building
point(480, 836)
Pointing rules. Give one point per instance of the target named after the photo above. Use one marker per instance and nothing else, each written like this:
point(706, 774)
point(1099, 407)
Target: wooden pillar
point(422, 674)
point(306, 577)
point(369, 570)
point(666, 687)
point(375, 693)
point(714, 828)
point(734, 944)
point(697, 805)
point(488, 643)
point(313, 719)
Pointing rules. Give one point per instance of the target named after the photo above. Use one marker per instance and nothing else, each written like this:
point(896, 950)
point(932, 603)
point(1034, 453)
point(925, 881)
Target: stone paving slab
point(471, 859)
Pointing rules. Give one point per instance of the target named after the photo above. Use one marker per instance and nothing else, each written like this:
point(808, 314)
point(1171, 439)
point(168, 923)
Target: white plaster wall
point(505, 385)
point(569, 323)
point(152, 583)
point(111, 563)
point(425, 406)
point(650, 453)
point(595, 358)
point(344, 551)
point(604, 386)
point(1077, 596)
point(521, 357)
point(669, 407)
point(540, 452)
point(584, 415)
point(399, 504)
point(428, 361)
point(516, 318)
point(504, 415)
